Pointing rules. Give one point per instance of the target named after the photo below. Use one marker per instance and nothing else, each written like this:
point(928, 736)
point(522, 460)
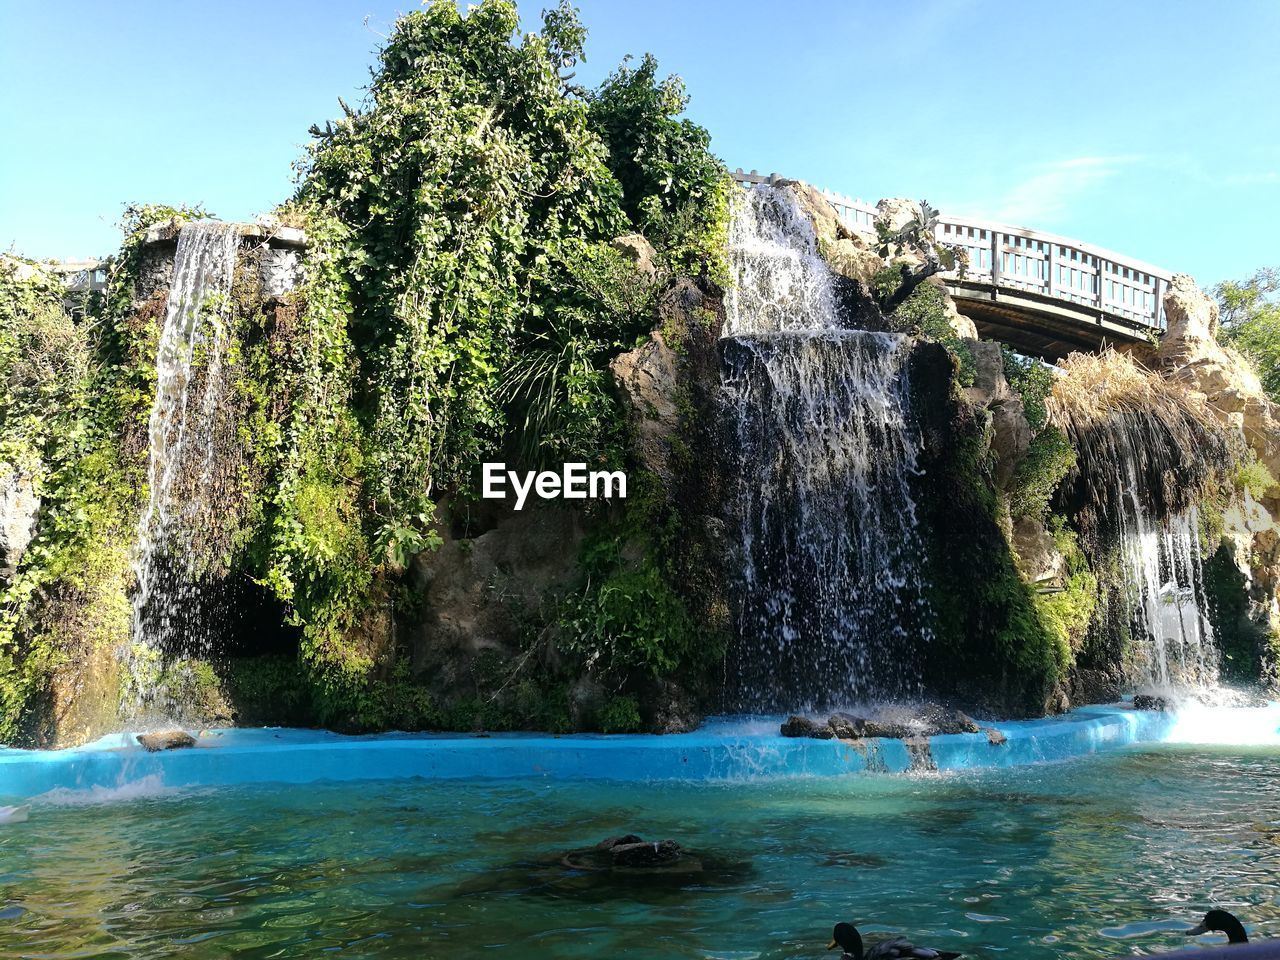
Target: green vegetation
point(1035, 480)
point(1069, 612)
point(72, 418)
point(1250, 321)
point(1033, 380)
point(463, 302)
point(923, 313)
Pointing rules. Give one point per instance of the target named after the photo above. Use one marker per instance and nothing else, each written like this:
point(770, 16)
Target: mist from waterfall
point(830, 608)
point(172, 552)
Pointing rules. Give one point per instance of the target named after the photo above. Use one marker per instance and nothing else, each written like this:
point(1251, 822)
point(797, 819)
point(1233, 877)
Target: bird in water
point(846, 937)
point(1221, 922)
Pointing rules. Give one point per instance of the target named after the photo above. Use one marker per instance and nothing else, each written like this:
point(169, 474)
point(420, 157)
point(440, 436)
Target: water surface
point(1099, 857)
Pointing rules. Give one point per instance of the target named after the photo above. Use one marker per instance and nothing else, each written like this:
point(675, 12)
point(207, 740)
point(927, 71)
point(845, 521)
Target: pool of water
point(1097, 857)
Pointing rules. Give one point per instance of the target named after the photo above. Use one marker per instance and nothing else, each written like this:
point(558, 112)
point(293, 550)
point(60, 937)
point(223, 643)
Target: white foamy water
point(831, 605)
point(1197, 723)
point(144, 788)
point(182, 503)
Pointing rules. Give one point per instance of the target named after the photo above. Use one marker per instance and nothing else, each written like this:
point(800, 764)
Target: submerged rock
point(165, 740)
point(632, 853)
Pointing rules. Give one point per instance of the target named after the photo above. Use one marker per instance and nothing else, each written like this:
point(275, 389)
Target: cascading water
point(172, 551)
point(831, 606)
point(1166, 608)
point(1175, 647)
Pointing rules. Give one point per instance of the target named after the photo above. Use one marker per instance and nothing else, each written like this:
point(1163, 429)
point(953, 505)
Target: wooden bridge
point(1042, 294)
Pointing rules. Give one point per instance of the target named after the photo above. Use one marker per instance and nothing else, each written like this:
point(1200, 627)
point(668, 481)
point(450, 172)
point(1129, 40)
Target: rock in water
point(165, 740)
point(630, 854)
point(1145, 701)
point(945, 720)
point(625, 840)
point(795, 726)
point(645, 854)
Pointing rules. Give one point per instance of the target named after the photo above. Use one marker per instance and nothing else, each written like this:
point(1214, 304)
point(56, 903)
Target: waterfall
point(1174, 646)
point(830, 606)
point(178, 524)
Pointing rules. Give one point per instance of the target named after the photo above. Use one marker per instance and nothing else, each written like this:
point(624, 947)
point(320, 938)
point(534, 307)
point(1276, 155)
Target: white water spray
point(182, 431)
point(1168, 610)
point(831, 604)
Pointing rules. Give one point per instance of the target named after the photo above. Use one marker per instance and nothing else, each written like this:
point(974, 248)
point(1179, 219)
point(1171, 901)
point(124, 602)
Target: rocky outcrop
point(647, 381)
point(19, 507)
point(1037, 554)
point(1189, 355)
point(639, 252)
point(475, 592)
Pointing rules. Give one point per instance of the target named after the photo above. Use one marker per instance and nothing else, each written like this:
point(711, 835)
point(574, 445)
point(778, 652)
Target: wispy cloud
point(1045, 193)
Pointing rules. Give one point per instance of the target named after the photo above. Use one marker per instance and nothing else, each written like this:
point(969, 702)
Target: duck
point(1221, 922)
point(846, 937)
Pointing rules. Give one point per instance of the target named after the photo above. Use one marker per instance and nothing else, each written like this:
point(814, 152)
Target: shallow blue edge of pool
point(721, 750)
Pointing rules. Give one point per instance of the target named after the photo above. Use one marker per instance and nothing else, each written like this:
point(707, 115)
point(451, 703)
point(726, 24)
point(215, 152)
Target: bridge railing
point(1029, 261)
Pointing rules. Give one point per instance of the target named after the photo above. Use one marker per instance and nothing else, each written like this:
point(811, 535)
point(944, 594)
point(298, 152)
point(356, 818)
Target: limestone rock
point(848, 727)
point(1010, 437)
point(279, 270)
point(640, 252)
point(671, 709)
point(895, 212)
point(476, 593)
point(851, 257)
point(1191, 313)
point(995, 737)
point(1038, 556)
point(1228, 385)
point(989, 383)
point(19, 507)
point(646, 379)
point(165, 740)
point(826, 223)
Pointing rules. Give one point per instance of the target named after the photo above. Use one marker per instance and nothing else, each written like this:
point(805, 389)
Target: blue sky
point(1150, 128)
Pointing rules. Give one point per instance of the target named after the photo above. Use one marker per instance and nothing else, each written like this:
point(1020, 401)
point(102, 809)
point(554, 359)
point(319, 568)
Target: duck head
point(1221, 922)
point(846, 937)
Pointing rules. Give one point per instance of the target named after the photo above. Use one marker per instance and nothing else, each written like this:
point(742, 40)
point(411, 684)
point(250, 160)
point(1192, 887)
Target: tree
point(1250, 322)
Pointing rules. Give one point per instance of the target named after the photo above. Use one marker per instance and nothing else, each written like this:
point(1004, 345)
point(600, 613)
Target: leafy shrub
point(1049, 458)
point(924, 313)
point(1033, 380)
point(621, 715)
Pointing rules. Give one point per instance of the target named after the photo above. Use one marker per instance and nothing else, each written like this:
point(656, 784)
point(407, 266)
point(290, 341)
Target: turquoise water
point(1098, 857)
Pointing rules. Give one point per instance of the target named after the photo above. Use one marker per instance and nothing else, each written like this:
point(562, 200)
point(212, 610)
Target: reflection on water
point(1093, 858)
